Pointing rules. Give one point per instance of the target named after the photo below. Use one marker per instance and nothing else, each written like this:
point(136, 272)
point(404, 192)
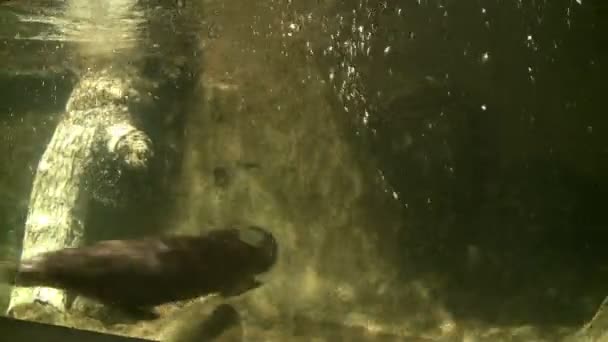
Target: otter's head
point(263, 243)
point(257, 248)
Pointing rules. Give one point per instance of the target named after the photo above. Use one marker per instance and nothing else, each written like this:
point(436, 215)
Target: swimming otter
point(135, 275)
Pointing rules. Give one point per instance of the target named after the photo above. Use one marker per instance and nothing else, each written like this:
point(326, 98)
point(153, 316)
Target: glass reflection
point(430, 170)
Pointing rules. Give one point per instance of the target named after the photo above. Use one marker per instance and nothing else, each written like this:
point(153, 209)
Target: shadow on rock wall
point(483, 117)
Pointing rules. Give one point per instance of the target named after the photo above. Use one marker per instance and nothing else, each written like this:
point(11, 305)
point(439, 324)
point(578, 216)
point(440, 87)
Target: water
point(431, 169)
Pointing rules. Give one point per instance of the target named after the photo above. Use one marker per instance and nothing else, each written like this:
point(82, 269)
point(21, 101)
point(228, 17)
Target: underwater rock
point(134, 275)
point(203, 322)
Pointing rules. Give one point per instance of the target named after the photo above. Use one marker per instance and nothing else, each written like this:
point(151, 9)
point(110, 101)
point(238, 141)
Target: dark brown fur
point(142, 273)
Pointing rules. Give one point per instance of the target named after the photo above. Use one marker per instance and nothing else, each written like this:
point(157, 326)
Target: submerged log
point(97, 120)
point(123, 53)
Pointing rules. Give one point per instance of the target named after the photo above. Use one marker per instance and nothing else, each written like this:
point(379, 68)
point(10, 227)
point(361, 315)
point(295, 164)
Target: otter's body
point(135, 274)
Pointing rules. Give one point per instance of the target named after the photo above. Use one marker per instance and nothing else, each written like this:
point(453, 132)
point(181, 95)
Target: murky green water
point(432, 170)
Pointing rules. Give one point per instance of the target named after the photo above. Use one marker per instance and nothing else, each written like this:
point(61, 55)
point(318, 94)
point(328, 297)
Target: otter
point(136, 275)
